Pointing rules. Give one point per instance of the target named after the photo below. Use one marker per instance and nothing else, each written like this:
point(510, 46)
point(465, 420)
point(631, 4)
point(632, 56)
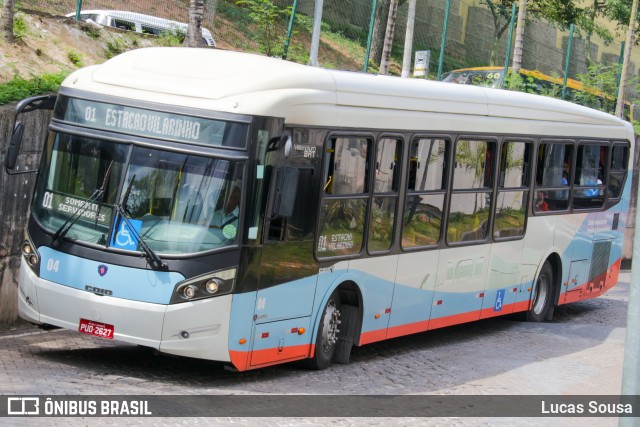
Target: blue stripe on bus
point(123, 282)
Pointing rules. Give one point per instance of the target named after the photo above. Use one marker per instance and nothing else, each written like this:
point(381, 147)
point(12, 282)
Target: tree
point(270, 21)
point(517, 51)
point(194, 29)
point(620, 12)
point(501, 15)
point(6, 20)
point(388, 37)
point(627, 54)
point(380, 27)
point(587, 22)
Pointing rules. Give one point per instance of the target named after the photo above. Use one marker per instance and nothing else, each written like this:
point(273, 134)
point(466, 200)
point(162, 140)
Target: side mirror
point(284, 195)
point(14, 146)
point(42, 102)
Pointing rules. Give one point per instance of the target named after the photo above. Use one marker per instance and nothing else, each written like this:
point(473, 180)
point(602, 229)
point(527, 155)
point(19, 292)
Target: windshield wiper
point(64, 229)
point(155, 261)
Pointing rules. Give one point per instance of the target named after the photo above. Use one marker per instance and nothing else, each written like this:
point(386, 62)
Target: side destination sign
point(149, 123)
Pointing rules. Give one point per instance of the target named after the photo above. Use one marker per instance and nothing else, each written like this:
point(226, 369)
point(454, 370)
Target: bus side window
point(553, 176)
point(618, 170)
point(590, 176)
point(426, 188)
point(299, 226)
point(343, 209)
point(469, 210)
point(124, 25)
point(385, 200)
point(511, 203)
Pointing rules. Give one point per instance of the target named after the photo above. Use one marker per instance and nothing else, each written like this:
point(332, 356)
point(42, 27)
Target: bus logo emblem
point(102, 269)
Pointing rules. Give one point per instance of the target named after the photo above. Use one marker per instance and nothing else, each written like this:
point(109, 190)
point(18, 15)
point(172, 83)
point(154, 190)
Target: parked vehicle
point(138, 22)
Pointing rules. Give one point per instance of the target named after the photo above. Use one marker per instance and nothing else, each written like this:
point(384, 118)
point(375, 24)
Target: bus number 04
point(53, 265)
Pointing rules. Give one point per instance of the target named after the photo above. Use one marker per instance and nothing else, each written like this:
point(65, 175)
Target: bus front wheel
point(542, 295)
point(327, 334)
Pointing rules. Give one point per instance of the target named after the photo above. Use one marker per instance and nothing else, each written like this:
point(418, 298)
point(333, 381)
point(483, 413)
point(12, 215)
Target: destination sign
point(149, 123)
point(70, 206)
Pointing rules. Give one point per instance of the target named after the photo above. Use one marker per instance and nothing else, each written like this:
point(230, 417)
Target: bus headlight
point(30, 254)
point(205, 286)
point(212, 286)
point(189, 291)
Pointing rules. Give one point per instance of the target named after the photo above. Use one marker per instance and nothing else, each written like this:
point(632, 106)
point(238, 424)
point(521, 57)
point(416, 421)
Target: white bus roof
point(258, 85)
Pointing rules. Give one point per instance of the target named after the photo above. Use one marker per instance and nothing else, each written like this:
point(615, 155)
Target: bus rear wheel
point(542, 295)
point(327, 334)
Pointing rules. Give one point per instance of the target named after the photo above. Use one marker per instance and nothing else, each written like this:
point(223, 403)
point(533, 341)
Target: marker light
point(33, 260)
point(301, 331)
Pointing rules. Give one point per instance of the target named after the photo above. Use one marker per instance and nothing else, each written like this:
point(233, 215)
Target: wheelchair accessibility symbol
point(497, 306)
point(124, 237)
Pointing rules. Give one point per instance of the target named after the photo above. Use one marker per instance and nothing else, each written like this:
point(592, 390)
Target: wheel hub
point(330, 329)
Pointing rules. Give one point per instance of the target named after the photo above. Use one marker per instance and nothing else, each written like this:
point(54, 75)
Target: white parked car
point(138, 22)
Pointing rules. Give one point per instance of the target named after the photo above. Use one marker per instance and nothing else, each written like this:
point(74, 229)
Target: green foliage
point(118, 45)
point(271, 22)
point(172, 38)
point(304, 23)
point(75, 58)
point(520, 83)
point(20, 88)
point(233, 13)
point(91, 30)
point(299, 54)
point(20, 28)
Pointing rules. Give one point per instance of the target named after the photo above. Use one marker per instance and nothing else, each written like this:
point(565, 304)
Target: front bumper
point(197, 329)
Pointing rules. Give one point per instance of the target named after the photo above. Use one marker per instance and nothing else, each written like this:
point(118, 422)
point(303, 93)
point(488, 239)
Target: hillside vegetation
point(48, 47)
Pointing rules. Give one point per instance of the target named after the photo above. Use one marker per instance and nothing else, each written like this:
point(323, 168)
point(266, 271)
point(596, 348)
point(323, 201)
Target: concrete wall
point(15, 199)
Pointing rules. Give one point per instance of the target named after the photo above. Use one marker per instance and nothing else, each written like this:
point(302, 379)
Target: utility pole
point(631, 364)
point(408, 39)
point(315, 37)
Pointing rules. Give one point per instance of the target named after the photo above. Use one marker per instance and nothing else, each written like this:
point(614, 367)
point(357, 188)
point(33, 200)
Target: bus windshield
point(177, 203)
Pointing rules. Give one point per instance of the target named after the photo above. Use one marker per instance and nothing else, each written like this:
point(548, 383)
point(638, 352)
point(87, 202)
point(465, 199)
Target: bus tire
point(327, 334)
point(542, 295)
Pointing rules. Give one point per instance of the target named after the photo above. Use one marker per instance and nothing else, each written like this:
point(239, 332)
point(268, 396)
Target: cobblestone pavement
point(580, 352)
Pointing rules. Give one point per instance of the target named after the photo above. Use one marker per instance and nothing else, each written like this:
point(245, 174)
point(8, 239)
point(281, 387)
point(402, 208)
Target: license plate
point(96, 329)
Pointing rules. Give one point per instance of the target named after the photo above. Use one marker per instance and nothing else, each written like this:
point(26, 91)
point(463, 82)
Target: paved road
point(580, 352)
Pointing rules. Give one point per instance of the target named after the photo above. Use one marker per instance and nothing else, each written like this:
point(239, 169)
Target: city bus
point(540, 83)
point(253, 211)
